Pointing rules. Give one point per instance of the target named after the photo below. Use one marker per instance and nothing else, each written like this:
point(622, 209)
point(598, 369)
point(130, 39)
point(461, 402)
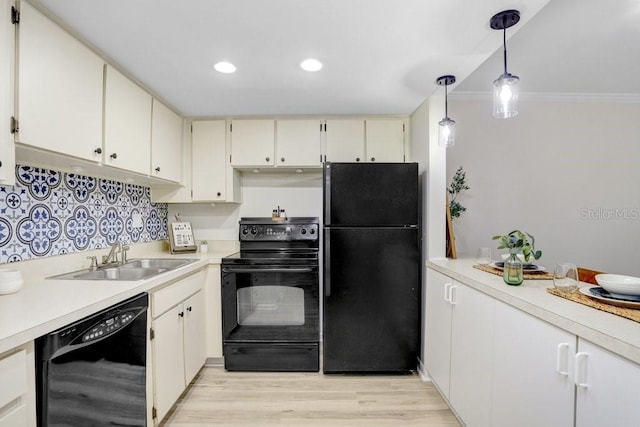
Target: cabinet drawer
point(167, 297)
point(17, 417)
point(13, 377)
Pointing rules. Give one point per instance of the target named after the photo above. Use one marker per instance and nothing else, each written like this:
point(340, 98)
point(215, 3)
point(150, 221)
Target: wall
point(298, 194)
point(566, 172)
point(52, 213)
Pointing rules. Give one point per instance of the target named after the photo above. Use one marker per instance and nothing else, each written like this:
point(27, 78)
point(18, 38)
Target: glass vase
point(512, 273)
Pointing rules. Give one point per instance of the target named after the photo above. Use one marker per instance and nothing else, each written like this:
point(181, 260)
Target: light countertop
point(615, 333)
point(44, 305)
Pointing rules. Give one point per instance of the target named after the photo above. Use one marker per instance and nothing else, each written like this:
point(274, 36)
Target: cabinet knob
point(114, 156)
point(266, 159)
point(219, 194)
point(98, 150)
point(357, 159)
point(181, 314)
point(373, 159)
point(282, 159)
point(158, 169)
point(189, 308)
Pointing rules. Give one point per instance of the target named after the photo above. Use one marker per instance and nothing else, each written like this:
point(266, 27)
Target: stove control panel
point(275, 231)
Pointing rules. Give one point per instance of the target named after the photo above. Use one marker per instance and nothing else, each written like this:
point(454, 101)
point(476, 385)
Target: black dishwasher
point(93, 372)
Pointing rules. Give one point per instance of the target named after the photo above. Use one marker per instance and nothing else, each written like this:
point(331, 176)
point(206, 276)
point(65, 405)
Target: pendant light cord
point(446, 102)
point(504, 44)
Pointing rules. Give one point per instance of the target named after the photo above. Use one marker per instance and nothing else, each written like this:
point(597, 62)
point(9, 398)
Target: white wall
point(566, 172)
point(298, 194)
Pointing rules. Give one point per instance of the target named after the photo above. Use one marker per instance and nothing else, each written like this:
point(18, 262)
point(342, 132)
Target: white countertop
point(615, 333)
point(44, 305)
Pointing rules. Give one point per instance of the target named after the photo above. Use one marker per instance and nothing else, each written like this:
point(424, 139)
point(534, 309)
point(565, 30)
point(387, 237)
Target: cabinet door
point(437, 347)
point(168, 359)
point(208, 160)
point(195, 345)
point(166, 143)
point(298, 143)
point(345, 141)
point(60, 84)
point(7, 149)
point(127, 124)
point(385, 141)
point(532, 363)
point(608, 390)
point(253, 143)
point(471, 354)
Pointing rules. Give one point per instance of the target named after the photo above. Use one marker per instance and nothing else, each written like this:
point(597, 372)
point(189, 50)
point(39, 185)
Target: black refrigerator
point(371, 267)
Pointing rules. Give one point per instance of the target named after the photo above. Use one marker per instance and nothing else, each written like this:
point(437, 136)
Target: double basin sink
point(136, 269)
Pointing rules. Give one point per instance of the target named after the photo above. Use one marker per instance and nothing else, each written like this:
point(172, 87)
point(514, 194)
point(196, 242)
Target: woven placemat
point(628, 313)
point(539, 275)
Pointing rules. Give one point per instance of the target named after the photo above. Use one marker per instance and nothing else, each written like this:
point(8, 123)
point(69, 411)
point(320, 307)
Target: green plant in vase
point(517, 242)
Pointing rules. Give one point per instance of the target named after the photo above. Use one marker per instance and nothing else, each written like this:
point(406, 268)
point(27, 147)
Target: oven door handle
point(267, 270)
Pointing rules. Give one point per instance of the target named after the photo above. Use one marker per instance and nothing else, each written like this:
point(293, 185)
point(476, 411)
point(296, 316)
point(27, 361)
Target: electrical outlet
point(136, 220)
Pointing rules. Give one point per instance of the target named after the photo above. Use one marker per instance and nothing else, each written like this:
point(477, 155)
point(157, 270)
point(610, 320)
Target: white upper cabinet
point(385, 140)
point(7, 148)
point(298, 143)
point(209, 165)
point(252, 143)
point(60, 85)
point(345, 141)
point(127, 124)
point(166, 143)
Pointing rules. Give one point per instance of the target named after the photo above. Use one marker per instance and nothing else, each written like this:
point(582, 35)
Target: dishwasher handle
point(268, 270)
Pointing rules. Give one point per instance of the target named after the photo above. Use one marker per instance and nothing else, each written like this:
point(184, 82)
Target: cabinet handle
point(158, 169)
point(373, 159)
point(452, 298)
point(447, 292)
point(114, 156)
point(98, 150)
point(189, 308)
point(181, 314)
point(219, 194)
point(581, 369)
point(357, 159)
point(266, 159)
point(562, 359)
point(282, 159)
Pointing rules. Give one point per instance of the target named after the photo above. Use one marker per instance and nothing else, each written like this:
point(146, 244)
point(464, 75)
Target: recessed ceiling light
point(225, 67)
point(311, 64)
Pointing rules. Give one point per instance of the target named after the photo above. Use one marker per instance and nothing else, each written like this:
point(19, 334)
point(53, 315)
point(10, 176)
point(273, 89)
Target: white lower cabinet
point(499, 366)
point(607, 388)
point(458, 352)
point(178, 339)
point(532, 371)
point(17, 389)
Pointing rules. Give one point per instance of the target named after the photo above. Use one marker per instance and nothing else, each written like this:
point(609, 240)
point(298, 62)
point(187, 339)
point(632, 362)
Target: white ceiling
point(380, 56)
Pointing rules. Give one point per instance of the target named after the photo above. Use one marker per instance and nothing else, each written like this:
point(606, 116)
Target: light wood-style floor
point(217, 397)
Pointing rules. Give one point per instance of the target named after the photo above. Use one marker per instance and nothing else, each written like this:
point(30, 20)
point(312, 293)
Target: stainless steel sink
point(137, 269)
point(168, 263)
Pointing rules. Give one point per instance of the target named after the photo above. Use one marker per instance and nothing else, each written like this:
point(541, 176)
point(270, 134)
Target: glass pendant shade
point(446, 132)
point(505, 96)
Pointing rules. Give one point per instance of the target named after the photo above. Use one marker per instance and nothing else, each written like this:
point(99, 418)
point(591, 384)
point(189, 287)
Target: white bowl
point(619, 284)
point(10, 281)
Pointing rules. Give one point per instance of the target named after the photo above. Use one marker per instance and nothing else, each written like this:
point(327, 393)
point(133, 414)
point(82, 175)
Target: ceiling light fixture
point(505, 87)
point(225, 67)
point(311, 65)
point(446, 126)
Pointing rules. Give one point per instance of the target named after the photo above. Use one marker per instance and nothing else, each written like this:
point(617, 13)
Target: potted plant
point(204, 246)
point(517, 242)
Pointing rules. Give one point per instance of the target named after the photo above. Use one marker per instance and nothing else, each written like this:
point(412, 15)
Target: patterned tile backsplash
point(51, 213)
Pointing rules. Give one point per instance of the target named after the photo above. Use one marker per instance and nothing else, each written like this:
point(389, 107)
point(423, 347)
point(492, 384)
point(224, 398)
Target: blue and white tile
point(39, 182)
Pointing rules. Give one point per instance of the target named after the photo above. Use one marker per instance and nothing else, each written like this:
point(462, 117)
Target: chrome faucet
point(112, 258)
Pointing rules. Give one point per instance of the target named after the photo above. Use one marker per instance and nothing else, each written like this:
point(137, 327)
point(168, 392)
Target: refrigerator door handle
point(327, 193)
point(326, 263)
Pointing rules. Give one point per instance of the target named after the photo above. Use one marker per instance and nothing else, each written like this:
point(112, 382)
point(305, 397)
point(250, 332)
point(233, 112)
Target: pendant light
point(446, 126)
point(505, 87)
